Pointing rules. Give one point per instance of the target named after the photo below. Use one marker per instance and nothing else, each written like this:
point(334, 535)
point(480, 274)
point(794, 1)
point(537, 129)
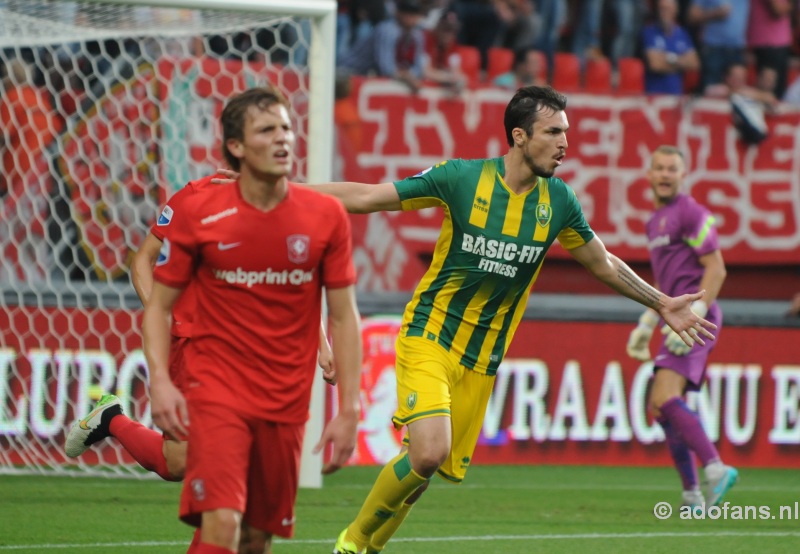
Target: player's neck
point(263, 193)
point(662, 202)
point(518, 176)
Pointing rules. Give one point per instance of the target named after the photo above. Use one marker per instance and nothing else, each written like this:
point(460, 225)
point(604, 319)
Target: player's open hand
point(169, 409)
point(228, 176)
point(688, 325)
point(341, 433)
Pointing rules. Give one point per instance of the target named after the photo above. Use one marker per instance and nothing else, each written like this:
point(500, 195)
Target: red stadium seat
point(470, 60)
point(500, 60)
point(542, 66)
point(631, 76)
point(597, 76)
point(566, 72)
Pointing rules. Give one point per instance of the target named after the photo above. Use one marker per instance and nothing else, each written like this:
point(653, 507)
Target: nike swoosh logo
point(82, 423)
point(223, 246)
point(286, 521)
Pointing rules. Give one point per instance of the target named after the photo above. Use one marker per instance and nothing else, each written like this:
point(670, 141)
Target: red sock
point(145, 445)
point(205, 548)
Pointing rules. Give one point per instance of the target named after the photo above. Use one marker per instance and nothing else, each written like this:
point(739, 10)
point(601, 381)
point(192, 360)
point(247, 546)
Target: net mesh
point(105, 111)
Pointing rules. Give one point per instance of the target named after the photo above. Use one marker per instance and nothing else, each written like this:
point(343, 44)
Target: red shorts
point(242, 463)
point(177, 361)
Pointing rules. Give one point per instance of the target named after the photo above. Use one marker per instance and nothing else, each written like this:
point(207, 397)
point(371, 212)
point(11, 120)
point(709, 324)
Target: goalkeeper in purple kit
point(685, 257)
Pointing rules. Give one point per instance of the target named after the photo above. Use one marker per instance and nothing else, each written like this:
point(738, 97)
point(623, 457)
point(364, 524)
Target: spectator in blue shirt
point(724, 35)
point(668, 52)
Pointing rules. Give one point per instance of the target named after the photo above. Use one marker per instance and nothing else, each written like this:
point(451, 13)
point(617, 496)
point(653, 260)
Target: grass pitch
point(499, 509)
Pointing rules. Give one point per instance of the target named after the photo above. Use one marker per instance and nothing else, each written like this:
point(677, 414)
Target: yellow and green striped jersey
point(489, 253)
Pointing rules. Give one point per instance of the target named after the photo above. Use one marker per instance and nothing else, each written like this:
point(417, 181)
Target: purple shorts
point(693, 365)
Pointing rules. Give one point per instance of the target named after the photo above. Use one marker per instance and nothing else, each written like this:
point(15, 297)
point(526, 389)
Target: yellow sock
point(394, 484)
point(388, 529)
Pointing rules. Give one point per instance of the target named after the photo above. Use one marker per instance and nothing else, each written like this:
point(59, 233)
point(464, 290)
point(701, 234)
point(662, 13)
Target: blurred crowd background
point(703, 47)
point(48, 204)
point(708, 47)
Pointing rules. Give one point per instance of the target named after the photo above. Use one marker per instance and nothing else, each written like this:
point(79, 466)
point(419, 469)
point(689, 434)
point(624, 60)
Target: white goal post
point(112, 105)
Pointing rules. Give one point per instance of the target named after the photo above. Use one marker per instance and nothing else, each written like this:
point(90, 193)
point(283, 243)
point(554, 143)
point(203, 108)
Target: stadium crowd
point(717, 48)
point(624, 46)
point(657, 46)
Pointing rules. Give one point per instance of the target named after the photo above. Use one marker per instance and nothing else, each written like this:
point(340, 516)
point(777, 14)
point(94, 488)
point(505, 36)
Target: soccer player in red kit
point(258, 252)
point(153, 450)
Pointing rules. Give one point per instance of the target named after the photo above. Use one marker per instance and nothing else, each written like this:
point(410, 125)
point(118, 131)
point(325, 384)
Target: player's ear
point(519, 136)
point(235, 147)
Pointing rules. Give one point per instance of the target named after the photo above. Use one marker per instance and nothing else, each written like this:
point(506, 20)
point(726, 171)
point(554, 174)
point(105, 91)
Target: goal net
point(106, 109)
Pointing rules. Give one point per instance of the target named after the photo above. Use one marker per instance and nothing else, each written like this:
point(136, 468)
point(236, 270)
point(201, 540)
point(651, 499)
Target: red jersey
point(183, 310)
point(258, 280)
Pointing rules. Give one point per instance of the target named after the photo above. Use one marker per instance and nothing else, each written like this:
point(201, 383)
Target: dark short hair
point(523, 109)
point(235, 112)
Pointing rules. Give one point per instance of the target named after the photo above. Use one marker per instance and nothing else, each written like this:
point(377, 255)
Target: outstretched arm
point(361, 198)
point(616, 274)
point(358, 198)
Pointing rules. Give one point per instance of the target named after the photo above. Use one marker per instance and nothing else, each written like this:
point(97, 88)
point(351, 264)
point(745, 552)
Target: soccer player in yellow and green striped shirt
point(501, 216)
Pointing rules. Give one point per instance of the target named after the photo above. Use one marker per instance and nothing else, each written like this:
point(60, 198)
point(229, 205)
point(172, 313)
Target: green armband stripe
point(701, 236)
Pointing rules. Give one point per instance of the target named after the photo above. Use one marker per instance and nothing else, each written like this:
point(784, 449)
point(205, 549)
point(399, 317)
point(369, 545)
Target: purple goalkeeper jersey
point(677, 235)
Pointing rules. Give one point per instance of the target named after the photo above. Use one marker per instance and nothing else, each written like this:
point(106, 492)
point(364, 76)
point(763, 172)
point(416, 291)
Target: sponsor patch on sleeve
point(424, 171)
point(165, 217)
point(163, 254)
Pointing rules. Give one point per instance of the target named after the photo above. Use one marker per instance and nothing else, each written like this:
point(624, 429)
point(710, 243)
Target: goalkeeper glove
point(699, 307)
point(639, 340)
point(674, 343)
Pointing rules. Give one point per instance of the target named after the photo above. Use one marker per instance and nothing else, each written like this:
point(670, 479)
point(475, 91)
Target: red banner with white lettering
point(753, 191)
point(568, 394)
point(148, 135)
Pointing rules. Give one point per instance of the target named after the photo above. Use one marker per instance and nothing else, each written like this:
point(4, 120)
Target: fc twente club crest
point(298, 246)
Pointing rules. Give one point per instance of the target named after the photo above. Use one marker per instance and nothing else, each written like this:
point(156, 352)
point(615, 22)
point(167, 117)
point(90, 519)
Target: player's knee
point(221, 527)
point(175, 457)
point(426, 463)
point(654, 406)
point(176, 468)
point(658, 399)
